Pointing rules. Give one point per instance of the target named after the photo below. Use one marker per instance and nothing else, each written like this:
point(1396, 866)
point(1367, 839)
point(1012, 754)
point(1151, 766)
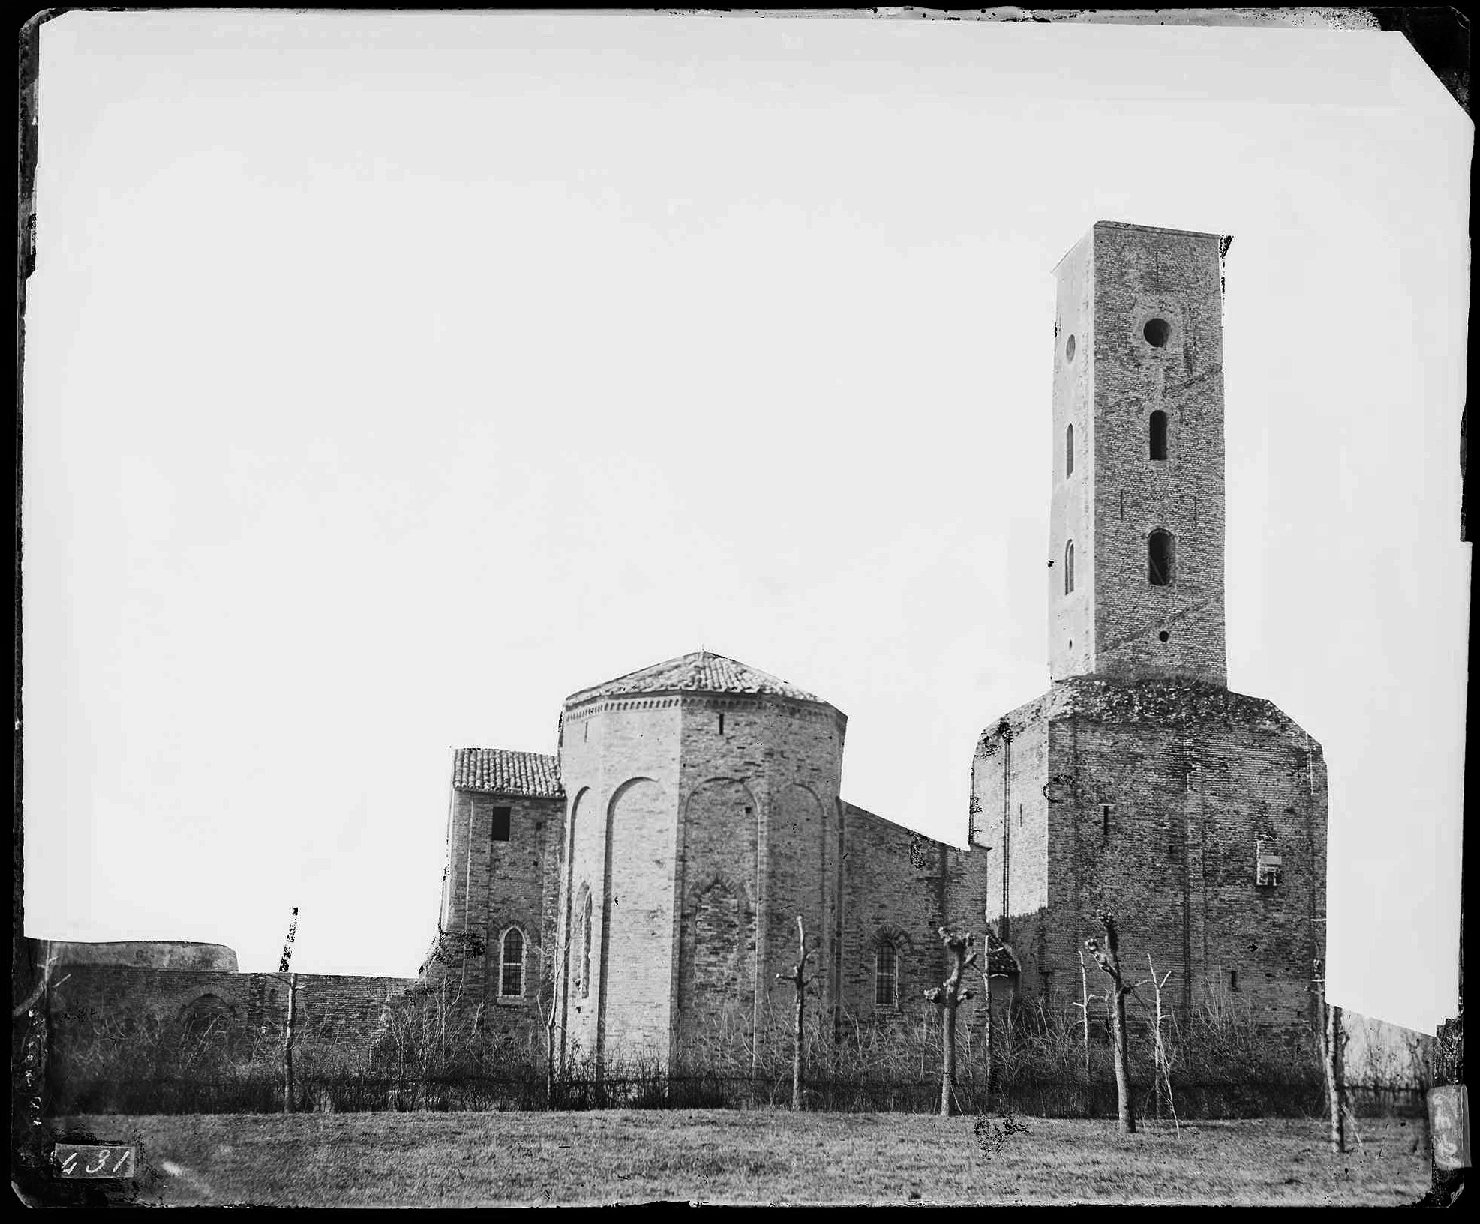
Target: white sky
point(391, 376)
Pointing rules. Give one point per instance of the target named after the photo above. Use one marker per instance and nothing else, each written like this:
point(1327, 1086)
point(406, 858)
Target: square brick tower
point(1139, 783)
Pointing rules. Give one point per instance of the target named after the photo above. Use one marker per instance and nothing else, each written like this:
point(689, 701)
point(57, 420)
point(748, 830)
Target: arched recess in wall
point(717, 984)
point(717, 928)
point(636, 906)
point(569, 948)
point(207, 1017)
point(797, 834)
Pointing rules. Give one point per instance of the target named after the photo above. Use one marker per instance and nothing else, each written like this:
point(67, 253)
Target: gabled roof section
point(501, 771)
point(700, 671)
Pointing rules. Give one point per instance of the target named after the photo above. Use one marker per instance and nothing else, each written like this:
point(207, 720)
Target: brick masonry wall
point(783, 759)
point(1142, 274)
point(734, 842)
point(512, 884)
point(329, 1010)
point(1072, 505)
point(899, 886)
point(148, 953)
point(619, 766)
point(1192, 775)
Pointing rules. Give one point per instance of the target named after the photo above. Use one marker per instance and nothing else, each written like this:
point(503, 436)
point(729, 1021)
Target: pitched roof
point(504, 772)
point(699, 671)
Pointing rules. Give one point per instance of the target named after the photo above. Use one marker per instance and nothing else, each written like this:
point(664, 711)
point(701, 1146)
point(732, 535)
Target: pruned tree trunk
point(1335, 1082)
point(797, 977)
point(288, 1044)
point(948, 997)
point(1108, 958)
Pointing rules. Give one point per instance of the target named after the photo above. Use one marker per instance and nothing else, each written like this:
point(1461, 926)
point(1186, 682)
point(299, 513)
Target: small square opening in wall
point(1269, 869)
point(501, 823)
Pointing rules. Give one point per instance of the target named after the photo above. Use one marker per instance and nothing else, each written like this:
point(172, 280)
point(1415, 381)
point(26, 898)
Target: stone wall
point(696, 890)
point(1159, 799)
point(1143, 275)
point(513, 885)
point(92, 1003)
point(146, 953)
point(901, 887)
point(619, 764)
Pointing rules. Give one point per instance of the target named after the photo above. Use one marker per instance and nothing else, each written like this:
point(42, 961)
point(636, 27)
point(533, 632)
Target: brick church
point(649, 876)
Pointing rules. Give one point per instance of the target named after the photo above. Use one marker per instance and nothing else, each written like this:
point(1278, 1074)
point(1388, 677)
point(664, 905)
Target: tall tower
point(1136, 537)
point(1139, 784)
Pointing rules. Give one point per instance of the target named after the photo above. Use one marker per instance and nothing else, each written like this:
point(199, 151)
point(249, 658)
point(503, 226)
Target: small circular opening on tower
point(1069, 349)
point(1157, 332)
point(1164, 636)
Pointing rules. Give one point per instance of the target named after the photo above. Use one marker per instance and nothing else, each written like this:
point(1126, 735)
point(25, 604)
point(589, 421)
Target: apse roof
point(700, 671)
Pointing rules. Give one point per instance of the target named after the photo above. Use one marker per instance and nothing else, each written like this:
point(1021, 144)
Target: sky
point(390, 376)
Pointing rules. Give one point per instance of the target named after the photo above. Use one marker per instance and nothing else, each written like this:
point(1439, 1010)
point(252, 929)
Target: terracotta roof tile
point(699, 671)
point(504, 772)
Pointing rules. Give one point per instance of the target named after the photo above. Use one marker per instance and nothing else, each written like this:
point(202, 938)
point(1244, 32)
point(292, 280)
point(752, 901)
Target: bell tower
point(1137, 517)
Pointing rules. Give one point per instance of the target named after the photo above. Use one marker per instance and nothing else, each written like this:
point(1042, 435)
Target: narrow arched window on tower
point(1159, 558)
point(1069, 568)
point(511, 965)
point(886, 975)
point(1069, 451)
point(1158, 434)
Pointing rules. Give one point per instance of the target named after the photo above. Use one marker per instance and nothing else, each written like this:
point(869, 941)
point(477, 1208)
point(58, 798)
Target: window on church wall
point(886, 975)
point(1158, 434)
point(1069, 568)
point(1069, 451)
point(1267, 867)
point(583, 943)
point(511, 964)
point(1159, 558)
point(501, 823)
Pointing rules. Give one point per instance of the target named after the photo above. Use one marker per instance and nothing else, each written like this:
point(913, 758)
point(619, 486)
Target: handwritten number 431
point(95, 1161)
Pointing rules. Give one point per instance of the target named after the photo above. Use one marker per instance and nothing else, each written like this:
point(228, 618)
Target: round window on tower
point(1157, 332)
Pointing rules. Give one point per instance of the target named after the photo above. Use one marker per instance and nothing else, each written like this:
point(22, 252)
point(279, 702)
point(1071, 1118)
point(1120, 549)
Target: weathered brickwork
point(1161, 798)
point(694, 814)
point(250, 1008)
point(151, 953)
point(1116, 288)
point(1140, 785)
point(514, 888)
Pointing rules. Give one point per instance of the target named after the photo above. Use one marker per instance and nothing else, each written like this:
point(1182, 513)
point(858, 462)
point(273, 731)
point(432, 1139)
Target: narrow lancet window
point(1069, 451)
point(1069, 568)
point(886, 975)
point(1158, 434)
point(1159, 558)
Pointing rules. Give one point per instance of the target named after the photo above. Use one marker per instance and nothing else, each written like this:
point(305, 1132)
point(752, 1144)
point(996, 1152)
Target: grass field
point(759, 1156)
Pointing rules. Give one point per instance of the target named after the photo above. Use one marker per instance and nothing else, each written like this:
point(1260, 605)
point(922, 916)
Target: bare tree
point(1085, 999)
point(1163, 1061)
point(948, 996)
point(1333, 1046)
point(1108, 959)
point(799, 980)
